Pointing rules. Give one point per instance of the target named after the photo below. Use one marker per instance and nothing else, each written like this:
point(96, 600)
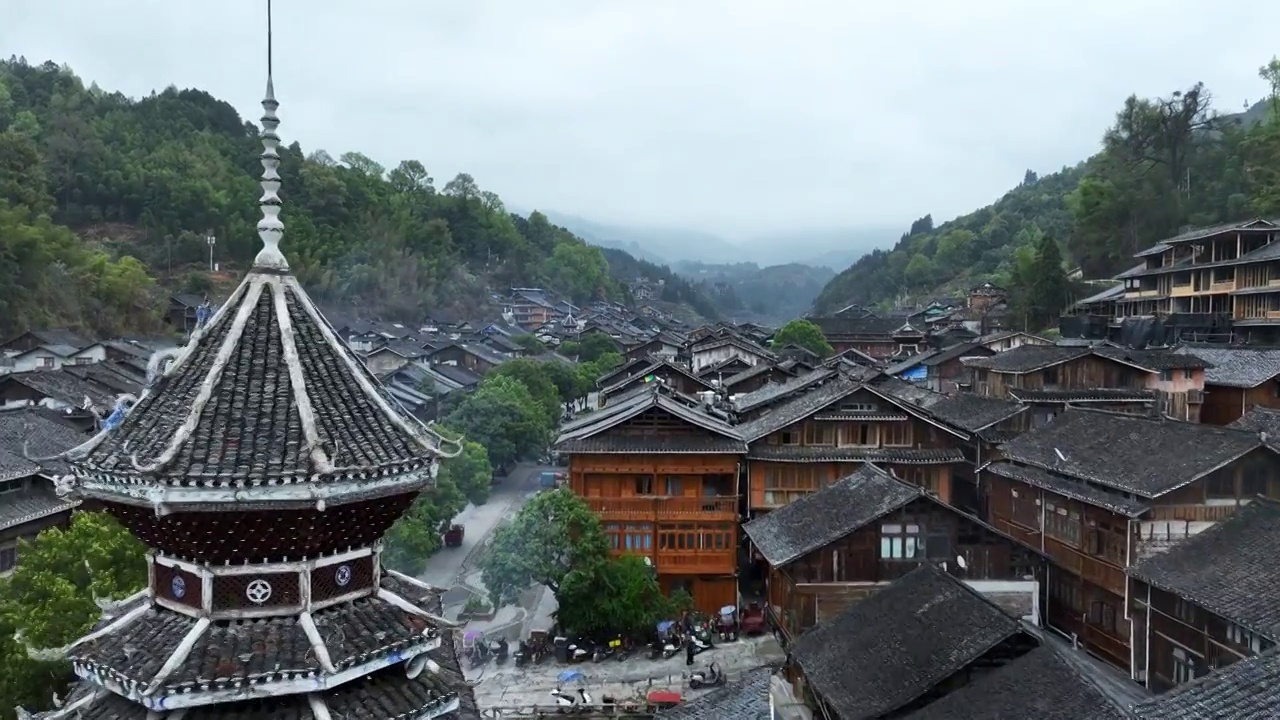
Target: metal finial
point(270, 228)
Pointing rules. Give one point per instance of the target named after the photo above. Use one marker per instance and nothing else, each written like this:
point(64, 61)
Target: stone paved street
point(506, 686)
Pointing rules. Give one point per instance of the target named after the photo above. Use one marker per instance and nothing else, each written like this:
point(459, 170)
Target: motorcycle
point(523, 654)
point(727, 626)
point(569, 702)
point(579, 650)
point(711, 677)
point(668, 641)
point(626, 650)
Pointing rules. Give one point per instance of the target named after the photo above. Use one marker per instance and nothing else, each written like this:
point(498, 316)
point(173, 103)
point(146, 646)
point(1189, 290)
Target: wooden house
point(942, 371)
point(662, 474)
point(672, 375)
point(1208, 602)
point(28, 503)
point(732, 365)
point(479, 359)
point(1049, 377)
point(841, 544)
point(1247, 689)
point(719, 348)
point(754, 378)
point(1098, 491)
point(663, 345)
point(1240, 377)
point(873, 336)
point(832, 428)
point(904, 648)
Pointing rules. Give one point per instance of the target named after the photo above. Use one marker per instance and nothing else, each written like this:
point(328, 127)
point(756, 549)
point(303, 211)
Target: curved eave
point(318, 682)
point(300, 493)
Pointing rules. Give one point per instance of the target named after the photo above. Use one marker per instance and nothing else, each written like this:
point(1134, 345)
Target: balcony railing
point(1194, 513)
point(642, 507)
point(696, 561)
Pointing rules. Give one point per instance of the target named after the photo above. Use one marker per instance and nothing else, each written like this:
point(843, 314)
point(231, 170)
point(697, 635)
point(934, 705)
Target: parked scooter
point(579, 650)
point(700, 645)
point(711, 677)
point(499, 648)
point(569, 702)
point(523, 654)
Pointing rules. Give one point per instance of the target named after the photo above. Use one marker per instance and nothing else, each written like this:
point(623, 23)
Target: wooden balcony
point(1182, 290)
point(1193, 513)
point(696, 562)
point(720, 507)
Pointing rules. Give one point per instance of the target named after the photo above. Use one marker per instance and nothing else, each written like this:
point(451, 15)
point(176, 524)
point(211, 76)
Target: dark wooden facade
point(1224, 405)
point(833, 442)
point(678, 509)
point(822, 583)
point(461, 356)
point(1091, 547)
point(1177, 640)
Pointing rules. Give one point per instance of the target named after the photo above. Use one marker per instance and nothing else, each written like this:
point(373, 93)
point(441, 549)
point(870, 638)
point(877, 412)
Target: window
point(1102, 615)
point(1026, 508)
point(897, 434)
point(816, 433)
point(1185, 611)
point(855, 407)
point(1050, 376)
point(784, 485)
point(635, 536)
point(1245, 639)
point(644, 485)
point(673, 486)
point(690, 537)
point(901, 542)
point(8, 558)
point(84, 361)
point(1184, 667)
point(1188, 373)
point(789, 437)
point(1062, 523)
point(46, 362)
point(858, 434)
point(1166, 375)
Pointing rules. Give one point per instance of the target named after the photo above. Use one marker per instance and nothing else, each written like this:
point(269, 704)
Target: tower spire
point(270, 228)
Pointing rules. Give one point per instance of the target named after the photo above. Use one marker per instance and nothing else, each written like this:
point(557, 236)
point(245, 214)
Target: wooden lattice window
point(253, 591)
point(331, 581)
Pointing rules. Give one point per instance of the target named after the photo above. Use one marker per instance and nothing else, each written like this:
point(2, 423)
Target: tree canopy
point(503, 417)
point(803, 333)
point(1166, 163)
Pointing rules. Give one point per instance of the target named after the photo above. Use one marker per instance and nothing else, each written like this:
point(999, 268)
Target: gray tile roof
point(385, 695)
point(631, 405)
point(957, 351)
point(1153, 360)
point(248, 423)
point(1241, 367)
point(746, 698)
point(773, 392)
point(798, 407)
point(1102, 395)
point(1069, 487)
point(971, 412)
point(897, 456)
point(41, 435)
point(812, 521)
point(32, 503)
point(1260, 419)
point(1229, 569)
point(1028, 358)
point(893, 647)
point(15, 466)
point(1146, 457)
point(1246, 690)
point(1039, 685)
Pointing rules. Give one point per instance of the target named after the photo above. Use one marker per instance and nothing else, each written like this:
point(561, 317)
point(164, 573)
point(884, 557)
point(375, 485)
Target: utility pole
point(212, 240)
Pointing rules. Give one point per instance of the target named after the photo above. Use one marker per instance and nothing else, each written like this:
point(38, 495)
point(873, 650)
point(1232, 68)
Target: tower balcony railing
point(723, 507)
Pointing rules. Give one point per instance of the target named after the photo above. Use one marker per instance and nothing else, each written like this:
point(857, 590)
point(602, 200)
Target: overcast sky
point(732, 116)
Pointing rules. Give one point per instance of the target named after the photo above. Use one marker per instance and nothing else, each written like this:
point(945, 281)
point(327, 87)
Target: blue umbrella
point(665, 625)
point(568, 676)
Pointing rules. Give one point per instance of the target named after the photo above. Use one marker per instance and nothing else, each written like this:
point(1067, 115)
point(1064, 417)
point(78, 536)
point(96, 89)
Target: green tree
point(616, 595)
point(579, 270)
point(1040, 287)
point(592, 345)
point(553, 535)
point(502, 416)
point(1270, 73)
point(49, 600)
point(417, 533)
point(537, 378)
point(805, 334)
point(470, 472)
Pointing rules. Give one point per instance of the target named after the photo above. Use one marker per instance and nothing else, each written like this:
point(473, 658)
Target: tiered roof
point(262, 465)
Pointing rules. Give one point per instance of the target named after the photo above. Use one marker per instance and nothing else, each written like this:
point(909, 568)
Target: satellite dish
point(960, 561)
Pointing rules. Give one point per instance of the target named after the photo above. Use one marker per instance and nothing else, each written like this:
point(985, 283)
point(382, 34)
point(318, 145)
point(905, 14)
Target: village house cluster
point(937, 516)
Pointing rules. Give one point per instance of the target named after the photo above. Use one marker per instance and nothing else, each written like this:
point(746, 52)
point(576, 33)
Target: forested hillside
point(626, 268)
point(103, 199)
point(1165, 163)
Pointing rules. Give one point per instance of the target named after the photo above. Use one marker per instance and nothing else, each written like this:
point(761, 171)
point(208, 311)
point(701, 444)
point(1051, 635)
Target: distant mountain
point(830, 247)
point(655, 244)
point(770, 295)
